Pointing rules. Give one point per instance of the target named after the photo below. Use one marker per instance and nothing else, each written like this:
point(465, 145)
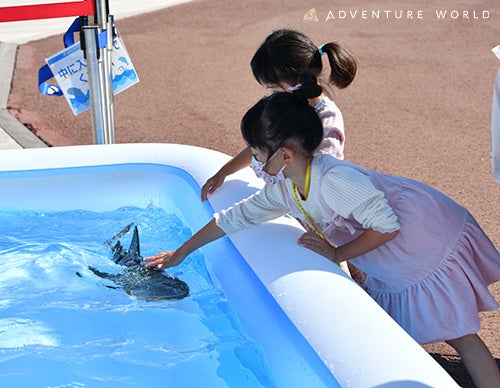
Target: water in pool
point(63, 326)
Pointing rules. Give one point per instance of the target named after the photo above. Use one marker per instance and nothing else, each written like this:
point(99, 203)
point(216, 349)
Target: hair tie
point(294, 88)
point(320, 50)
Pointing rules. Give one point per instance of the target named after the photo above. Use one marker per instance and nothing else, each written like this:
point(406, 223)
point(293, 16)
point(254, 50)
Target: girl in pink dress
point(426, 260)
point(278, 64)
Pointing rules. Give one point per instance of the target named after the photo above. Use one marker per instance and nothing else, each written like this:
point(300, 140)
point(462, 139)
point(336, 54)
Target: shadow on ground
point(455, 368)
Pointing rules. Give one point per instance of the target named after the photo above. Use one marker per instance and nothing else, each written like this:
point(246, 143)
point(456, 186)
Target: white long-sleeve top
point(338, 191)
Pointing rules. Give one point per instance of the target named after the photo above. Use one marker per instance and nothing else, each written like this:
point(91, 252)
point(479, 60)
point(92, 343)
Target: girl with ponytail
point(288, 60)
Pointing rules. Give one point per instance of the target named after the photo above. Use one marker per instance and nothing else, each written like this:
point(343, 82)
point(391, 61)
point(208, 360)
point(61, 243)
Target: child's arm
point(333, 128)
point(240, 161)
point(368, 241)
point(208, 233)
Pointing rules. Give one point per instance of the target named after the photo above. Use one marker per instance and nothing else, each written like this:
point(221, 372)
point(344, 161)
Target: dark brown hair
point(281, 118)
point(286, 54)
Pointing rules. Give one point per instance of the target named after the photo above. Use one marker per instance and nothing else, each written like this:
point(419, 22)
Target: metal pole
point(96, 103)
point(109, 87)
point(100, 75)
point(105, 22)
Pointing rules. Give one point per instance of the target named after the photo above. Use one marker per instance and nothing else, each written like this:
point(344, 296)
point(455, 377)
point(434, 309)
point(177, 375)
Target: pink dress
point(432, 278)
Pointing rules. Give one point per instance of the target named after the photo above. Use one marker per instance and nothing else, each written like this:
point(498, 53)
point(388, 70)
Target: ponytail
point(307, 87)
point(342, 63)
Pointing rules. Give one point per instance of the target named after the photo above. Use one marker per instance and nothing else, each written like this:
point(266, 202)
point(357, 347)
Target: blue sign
point(70, 70)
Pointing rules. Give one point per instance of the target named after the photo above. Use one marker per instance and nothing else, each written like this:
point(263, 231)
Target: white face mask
point(258, 168)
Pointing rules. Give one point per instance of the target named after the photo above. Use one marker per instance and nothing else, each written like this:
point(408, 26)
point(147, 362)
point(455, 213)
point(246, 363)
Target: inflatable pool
point(318, 326)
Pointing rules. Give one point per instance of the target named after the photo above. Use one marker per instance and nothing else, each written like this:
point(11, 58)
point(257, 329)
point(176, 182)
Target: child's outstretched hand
point(314, 242)
point(211, 185)
point(165, 259)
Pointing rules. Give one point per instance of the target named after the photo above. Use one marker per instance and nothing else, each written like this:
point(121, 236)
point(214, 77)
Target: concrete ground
point(420, 105)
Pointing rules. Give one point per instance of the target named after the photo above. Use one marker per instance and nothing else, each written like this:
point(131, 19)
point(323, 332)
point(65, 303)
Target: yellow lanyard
point(306, 214)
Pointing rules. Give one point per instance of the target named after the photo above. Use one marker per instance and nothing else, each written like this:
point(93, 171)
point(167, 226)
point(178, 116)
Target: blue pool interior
point(80, 331)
